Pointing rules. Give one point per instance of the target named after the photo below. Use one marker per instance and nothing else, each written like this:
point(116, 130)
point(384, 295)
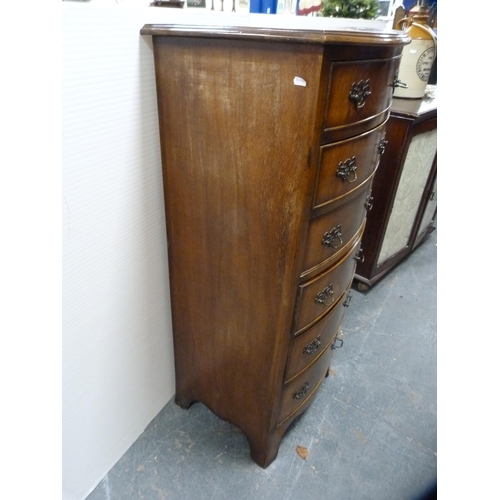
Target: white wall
point(117, 338)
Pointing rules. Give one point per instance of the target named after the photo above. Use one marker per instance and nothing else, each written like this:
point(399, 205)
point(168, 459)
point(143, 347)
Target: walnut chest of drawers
point(270, 139)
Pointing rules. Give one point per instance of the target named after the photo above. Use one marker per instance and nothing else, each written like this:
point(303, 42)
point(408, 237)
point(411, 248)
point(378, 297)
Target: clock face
point(424, 63)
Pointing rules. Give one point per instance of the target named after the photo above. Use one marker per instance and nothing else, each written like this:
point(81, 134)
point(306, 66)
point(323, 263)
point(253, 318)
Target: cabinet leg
point(263, 452)
point(183, 403)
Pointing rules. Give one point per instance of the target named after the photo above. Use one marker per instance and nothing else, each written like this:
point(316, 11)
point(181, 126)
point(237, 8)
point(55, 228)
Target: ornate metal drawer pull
point(334, 344)
point(398, 83)
point(360, 255)
point(382, 145)
point(346, 170)
point(347, 301)
point(331, 236)
point(360, 92)
point(369, 202)
point(324, 294)
point(302, 391)
point(312, 346)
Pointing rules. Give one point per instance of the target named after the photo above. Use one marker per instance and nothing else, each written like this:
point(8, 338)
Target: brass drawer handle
point(346, 170)
point(334, 344)
point(312, 346)
point(331, 236)
point(360, 92)
point(369, 202)
point(382, 146)
point(360, 255)
point(302, 391)
point(398, 83)
point(322, 296)
point(347, 301)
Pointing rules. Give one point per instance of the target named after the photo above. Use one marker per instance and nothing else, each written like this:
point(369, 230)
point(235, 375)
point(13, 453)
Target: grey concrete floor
point(370, 433)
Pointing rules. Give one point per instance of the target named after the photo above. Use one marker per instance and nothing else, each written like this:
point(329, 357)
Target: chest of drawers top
point(297, 30)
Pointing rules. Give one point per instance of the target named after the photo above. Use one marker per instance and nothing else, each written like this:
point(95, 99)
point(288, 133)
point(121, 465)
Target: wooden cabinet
point(404, 190)
point(269, 142)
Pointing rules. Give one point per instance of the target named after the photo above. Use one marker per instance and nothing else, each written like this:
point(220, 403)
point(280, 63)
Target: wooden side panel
point(237, 182)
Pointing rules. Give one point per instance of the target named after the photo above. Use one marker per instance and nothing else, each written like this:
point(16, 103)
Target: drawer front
point(347, 164)
point(329, 234)
point(304, 387)
point(358, 91)
point(306, 349)
point(317, 296)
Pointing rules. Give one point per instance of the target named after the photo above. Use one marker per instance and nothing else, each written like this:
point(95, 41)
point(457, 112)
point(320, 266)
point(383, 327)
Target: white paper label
point(300, 82)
